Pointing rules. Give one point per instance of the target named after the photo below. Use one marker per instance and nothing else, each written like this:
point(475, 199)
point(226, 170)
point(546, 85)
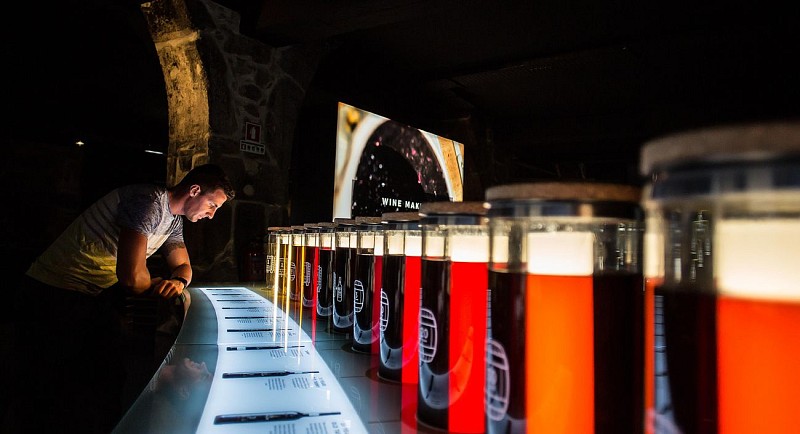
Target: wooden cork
point(439, 208)
point(577, 190)
point(400, 216)
point(368, 220)
point(746, 142)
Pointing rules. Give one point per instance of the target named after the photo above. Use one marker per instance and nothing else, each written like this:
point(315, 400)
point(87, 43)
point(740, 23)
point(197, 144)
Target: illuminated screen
point(385, 166)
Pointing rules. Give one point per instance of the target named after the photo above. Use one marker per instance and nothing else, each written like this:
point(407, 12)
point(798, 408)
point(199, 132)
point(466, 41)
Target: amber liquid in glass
point(284, 269)
point(574, 347)
point(731, 362)
point(296, 273)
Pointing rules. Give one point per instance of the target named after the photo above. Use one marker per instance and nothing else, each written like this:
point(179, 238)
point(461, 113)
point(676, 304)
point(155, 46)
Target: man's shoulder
point(150, 190)
point(142, 200)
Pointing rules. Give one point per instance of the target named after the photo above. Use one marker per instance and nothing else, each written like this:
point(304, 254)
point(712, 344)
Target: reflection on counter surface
point(244, 361)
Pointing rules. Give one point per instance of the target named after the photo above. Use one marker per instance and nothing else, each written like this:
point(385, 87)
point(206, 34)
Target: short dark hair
point(209, 177)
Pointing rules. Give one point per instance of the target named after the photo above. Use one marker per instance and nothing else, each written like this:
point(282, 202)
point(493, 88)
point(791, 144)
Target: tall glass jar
point(325, 271)
point(565, 341)
point(399, 308)
point(366, 282)
point(399, 324)
point(343, 271)
point(311, 265)
point(452, 315)
point(284, 235)
point(272, 257)
point(723, 207)
point(297, 263)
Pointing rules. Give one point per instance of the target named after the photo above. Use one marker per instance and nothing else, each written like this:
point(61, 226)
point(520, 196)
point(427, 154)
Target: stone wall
point(217, 82)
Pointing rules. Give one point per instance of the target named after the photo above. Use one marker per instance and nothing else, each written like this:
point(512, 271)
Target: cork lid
point(577, 190)
point(744, 142)
point(344, 221)
point(444, 208)
point(368, 220)
point(404, 216)
point(326, 224)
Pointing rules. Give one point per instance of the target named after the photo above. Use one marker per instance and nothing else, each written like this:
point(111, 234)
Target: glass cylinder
point(723, 208)
point(565, 340)
point(327, 248)
point(452, 315)
point(344, 269)
point(297, 263)
point(366, 281)
point(399, 311)
point(272, 257)
point(284, 235)
point(311, 266)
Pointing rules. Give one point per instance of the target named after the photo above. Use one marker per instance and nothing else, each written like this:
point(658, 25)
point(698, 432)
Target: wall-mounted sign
point(253, 148)
point(252, 132)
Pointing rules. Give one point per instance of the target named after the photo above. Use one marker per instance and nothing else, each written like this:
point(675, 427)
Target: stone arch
point(217, 81)
point(186, 82)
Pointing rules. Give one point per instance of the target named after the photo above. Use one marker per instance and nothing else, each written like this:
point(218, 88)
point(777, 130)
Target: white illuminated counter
point(243, 363)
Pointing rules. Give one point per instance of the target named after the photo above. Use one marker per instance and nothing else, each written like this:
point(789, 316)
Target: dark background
point(535, 90)
point(547, 88)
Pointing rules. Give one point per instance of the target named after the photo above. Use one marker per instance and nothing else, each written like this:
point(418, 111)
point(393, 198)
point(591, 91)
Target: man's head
point(203, 190)
point(181, 380)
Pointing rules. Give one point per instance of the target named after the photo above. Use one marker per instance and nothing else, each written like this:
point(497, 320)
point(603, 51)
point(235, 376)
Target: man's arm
point(177, 258)
point(132, 269)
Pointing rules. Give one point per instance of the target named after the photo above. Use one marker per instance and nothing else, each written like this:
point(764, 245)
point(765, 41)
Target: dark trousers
point(69, 371)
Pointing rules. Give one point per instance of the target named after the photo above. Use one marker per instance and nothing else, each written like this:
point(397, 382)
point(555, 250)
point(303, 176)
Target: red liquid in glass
point(452, 345)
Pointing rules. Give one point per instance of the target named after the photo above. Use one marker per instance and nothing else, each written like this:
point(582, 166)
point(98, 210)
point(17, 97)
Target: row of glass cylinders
point(581, 307)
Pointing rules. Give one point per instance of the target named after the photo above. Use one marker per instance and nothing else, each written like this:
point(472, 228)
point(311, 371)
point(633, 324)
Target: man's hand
point(166, 288)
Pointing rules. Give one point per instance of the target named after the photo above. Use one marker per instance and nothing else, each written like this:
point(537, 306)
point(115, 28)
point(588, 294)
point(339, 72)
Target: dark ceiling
point(83, 69)
point(532, 86)
point(548, 81)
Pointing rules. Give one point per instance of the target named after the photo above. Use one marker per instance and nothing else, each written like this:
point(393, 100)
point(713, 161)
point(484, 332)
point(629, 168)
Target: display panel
point(385, 166)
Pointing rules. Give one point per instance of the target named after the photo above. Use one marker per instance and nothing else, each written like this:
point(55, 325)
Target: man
point(67, 320)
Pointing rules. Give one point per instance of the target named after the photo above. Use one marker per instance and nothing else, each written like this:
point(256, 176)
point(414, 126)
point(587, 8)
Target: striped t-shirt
point(84, 257)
